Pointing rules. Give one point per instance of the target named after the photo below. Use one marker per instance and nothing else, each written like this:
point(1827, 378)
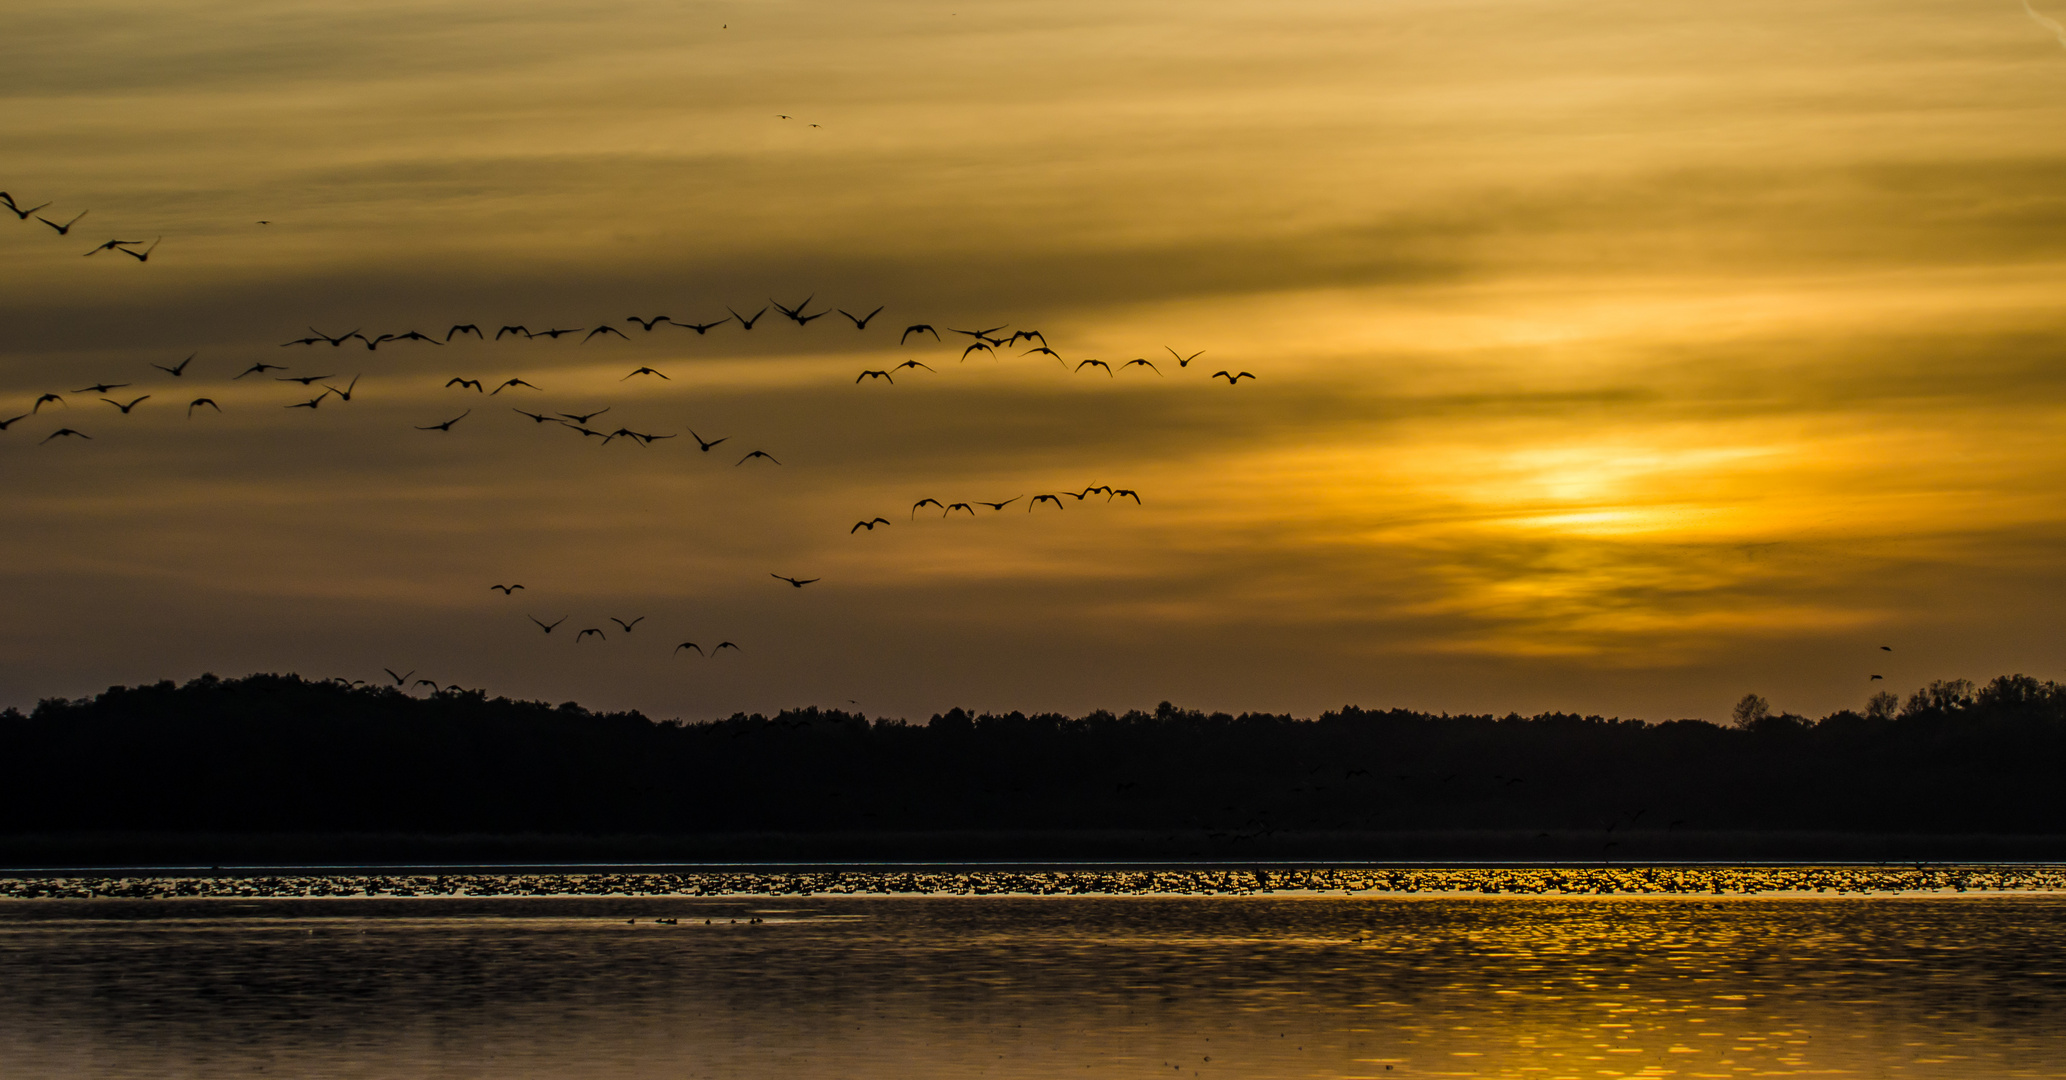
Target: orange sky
point(1613, 357)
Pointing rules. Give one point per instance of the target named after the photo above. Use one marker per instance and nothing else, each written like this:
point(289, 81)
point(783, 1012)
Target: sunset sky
point(1611, 357)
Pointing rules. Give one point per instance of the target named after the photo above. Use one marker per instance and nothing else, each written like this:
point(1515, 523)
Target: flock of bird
point(990, 341)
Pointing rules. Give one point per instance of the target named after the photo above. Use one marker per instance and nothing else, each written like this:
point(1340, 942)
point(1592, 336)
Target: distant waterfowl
point(1143, 362)
point(114, 245)
point(41, 401)
point(400, 680)
point(23, 215)
point(627, 625)
point(547, 627)
point(506, 589)
point(1038, 499)
point(447, 425)
point(60, 432)
point(178, 370)
point(796, 582)
point(723, 645)
point(465, 328)
point(690, 645)
point(1183, 361)
point(140, 256)
point(913, 363)
point(66, 228)
point(606, 328)
point(869, 525)
point(918, 328)
point(861, 321)
point(1095, 363)
point(926, 502)
point(258, 369)
point(508, 383)
point(100, 388)
point(463, 384)
point(745, 322)
point(307, 379)
point(125, 408)
point(1232, 379)
point(758, 454)
point(200, 401)
point(999, 505)
point(703, 445)
point(580, 419)
point(512, 330)
point(591, 630)
point(648, 324)
point(644, 371)
point(1125, 493)
point(883, 375)
point(704, 328)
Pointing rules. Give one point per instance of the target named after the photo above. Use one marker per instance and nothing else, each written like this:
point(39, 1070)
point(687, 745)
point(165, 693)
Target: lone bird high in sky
point(1459, 358)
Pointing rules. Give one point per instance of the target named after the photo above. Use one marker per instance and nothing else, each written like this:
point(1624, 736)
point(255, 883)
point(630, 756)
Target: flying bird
point(1038, 499)
point(512, 382)
point(861, 321)
point(547, 627)
point(300, 341)
point(311, 403)
point(38, 407)
point(690, 645)
point(1143, 362)
point(101, 388)
point(5, 424)
point(447, 425)
point(648, 324)
point(24, 214)
point(704, 328)
point(913, 363)
point(1048, 351)
point(792, 313)
point(919, 328)
point(506, 589)
point(606, 328)
point(1086, 493)
point(722, 645)
point(345, 393)
point(555, 333)
point(590, 416)
point(757, 454)
point(1000, 505)
point(924, 502)
point(585, 633)
point(1876, 677)
point(179, 370)
point(700, 444)
point(434, 687)
point(465, 328)
point(951, 507)
point(744, 321)
point(258, 369)
point(413, 335)
point(1095, 363)
point(627, 625)
point(1125, 493)
point(1886, 648)
point(981, 335)
point(977, 346)
point(64, 431)
point(645, 371)
point(463, 384)
point(339, 339)
point(1183, 361)
point(539, 417)
point(141, 256)
point(1026, 335)
point(1231, 379)
point(400, 680)
point(116, 245)
point(200, 401)
point(868, 525)
point(798, 583)
point(307, 379)
point(511, 330)
point(883, 375)
point(66, 228)
point(125, 408)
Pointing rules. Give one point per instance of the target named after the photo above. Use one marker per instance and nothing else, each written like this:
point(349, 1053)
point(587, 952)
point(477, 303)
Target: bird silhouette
point(339, 339)
point(101, 388)
point(648, 324)
point(883, 375)
point(701, 444)
point(64, 431)
point(345, 393)
point(590, 630)
point(1886, 648)
point(580, 419)
point(1025, 335)
point(981, 335)
point(606, 328)
point(977, 347)
point(704, 328)
point(1875, 677)
point(125, 408)
point(757, 454)
point(311, 403)
point(509, 383)
point(793, 314)
point(413, 335)
point(512, 330)
point(141, 256)
point(690, 645)
point(5, 424)
point(1038, 499)
point(258, 369)
point(554, 334)
point(925, 502)
point(868, 525)
point(307, 379)
point(861, 321)
point(506, 589)
point(627, 625)
point(1095, 363)
point(798, 583)
point(951, 507)
point(178, 370)
point(200, 401)
point(645, 371)
point(66, 228)
point(1231, 379)
point(463, 384)
point(23, 215)
point(1085, 493)
point(1183, 361)
point(1143, 362)
point(918, 328)
point(999, 505)
point(300, 341)
point(434, 687)
point(722, 645)
point(547, 627)
point(400, 680)
point(539, 417)
point(1048, 351)
point(447, 425)
point(913, 363)
point(465, 328)
point(38, 407)
point(746, 322)
point(1125, 493)
point(113, 245)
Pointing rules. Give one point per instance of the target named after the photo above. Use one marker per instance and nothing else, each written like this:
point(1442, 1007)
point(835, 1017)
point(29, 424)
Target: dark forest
point(283, 758)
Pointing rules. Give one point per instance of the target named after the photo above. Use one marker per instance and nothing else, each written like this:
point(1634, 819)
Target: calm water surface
point(911, 988)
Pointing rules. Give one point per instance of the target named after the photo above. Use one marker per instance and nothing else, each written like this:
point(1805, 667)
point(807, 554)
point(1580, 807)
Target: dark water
point(904, 989)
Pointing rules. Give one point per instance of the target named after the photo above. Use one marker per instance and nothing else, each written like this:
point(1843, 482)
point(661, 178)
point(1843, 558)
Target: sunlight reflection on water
point(1087, 987)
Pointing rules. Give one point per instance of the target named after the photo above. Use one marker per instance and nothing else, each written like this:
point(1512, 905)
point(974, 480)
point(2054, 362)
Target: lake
point(907, 988)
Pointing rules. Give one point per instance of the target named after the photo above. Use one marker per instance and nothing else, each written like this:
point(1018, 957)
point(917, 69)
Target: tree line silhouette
point(278, 754)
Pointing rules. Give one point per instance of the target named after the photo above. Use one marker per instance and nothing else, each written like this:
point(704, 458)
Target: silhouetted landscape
point(275, 768)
